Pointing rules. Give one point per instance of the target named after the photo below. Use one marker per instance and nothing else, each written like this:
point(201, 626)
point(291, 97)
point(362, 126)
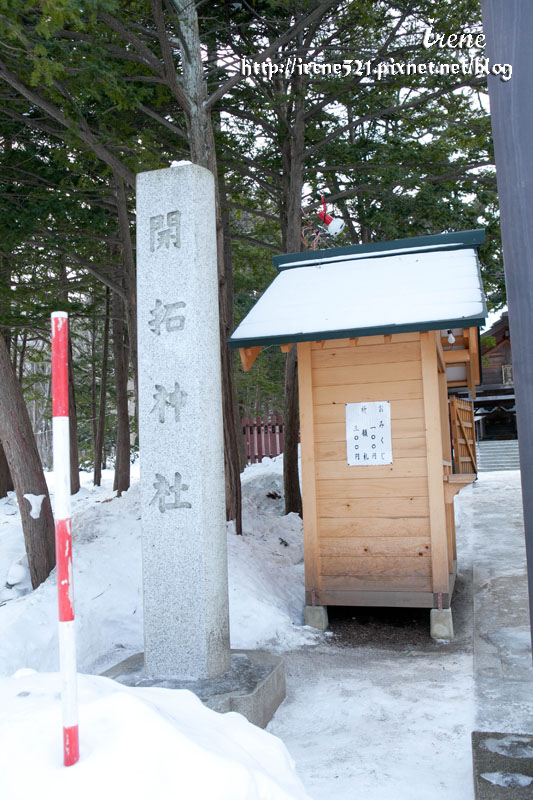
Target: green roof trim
point(449, 241)
point(317, 336)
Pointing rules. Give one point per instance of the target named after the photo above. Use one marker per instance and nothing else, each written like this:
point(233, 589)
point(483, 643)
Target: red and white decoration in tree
point(334, 225)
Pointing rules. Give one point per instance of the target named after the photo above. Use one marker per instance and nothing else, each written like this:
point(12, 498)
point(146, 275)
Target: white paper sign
point(368, 434)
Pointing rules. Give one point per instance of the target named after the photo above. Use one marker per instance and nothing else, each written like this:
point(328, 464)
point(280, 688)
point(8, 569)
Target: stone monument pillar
point(186, 621)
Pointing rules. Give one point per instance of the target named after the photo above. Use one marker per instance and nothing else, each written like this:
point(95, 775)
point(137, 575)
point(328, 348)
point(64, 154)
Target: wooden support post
point(455, 433)
point(474, 356)
point(440, 353)
point(470, 379)
point(248, 356)
point(309, 500)
point(446, 448)
point(454, 484)
point(285, 348)
point(454, 539)
point(444, 414)
point(437, 511)
point(353, 341)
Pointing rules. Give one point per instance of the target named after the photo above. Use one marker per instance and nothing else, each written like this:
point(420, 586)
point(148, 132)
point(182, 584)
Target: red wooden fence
point(262, 437)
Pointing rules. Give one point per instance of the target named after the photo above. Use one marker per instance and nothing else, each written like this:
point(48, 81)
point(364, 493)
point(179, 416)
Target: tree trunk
point(228, 272)
point(231, 453)
point(6, 481)
point(202, 147)
point(13, 344)
point(100, 430)
point(22, 355)
point(73, 426)
point(130, 281)
point(94, 407)
point(25, 465)
point(293, 163)
point(291, 482)
point(120, 355)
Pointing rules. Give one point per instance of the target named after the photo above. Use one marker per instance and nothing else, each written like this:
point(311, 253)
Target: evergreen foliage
point(90, 97)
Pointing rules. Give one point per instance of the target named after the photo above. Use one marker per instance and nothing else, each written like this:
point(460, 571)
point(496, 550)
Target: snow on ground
point(135, 743)
point(380, 726)
point(140, 742)
point(266, 569)
point(376, 719)
point(107, 584)
point(265, 577)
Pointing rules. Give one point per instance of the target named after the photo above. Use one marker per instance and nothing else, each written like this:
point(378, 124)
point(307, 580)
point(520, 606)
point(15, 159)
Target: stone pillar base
point(316, 617)
point(254, 686)
point(441, 623)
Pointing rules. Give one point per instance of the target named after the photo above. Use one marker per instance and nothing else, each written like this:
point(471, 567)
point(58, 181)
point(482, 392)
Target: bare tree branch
point(162, 121)
point(126, 34)
point(365, 165)
point(97, 272)
point(256, 212)
point(239, 237)
point(389, 111)
point(80, 126)
point(299, 26)
point(168, 58)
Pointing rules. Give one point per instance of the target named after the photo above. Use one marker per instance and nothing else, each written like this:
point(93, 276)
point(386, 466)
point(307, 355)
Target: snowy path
point(392, 719)
point(364, 724)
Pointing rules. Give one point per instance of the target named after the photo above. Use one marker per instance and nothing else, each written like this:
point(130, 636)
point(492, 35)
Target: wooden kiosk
point(381, 330)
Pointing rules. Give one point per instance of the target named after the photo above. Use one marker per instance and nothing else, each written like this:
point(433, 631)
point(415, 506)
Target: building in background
point(495, 411)
point(494, 404)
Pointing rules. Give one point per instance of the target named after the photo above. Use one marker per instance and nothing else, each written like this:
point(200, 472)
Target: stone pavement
point(503, 669)
point(503, 765)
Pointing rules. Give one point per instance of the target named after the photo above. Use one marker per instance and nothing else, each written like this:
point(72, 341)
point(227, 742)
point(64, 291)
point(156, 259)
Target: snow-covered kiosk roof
point(418, 284)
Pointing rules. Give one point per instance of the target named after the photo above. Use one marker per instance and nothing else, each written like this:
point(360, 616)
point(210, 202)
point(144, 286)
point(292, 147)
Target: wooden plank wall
point(368, 527)
point(309, 500)
point(433, 398)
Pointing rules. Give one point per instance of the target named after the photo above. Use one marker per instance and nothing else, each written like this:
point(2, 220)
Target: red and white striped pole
point(65, 589)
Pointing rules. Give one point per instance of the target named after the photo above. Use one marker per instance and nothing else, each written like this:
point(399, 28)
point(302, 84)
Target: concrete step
point(495, 444)
point(505, 444)
point(497, 455)
point(498, 443)
point(489, 466)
